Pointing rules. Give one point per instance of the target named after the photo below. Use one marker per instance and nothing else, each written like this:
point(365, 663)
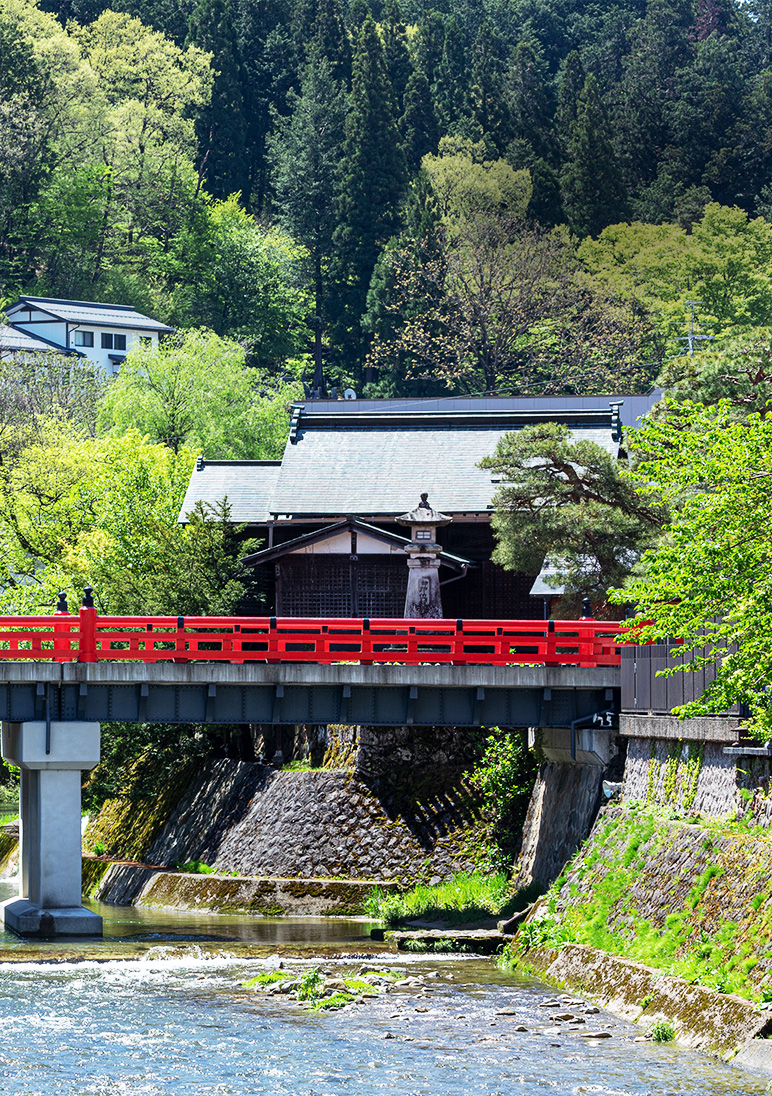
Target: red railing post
point(366, 648)
point(88, 620)
point(62, 633)
point(273, 641)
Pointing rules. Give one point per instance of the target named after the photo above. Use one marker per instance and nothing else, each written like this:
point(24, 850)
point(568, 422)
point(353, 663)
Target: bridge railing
point(90, 637)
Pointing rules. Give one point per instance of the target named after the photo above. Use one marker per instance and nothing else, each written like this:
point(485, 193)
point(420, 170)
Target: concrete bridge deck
point(305, 692)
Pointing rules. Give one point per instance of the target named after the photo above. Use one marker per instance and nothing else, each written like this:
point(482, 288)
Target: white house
point(103, 333)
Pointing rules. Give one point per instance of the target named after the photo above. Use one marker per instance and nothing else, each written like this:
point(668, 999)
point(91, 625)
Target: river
point(158, 1009)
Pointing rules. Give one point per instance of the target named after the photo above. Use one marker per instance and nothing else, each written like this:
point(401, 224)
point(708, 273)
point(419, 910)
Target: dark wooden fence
point(643, 691)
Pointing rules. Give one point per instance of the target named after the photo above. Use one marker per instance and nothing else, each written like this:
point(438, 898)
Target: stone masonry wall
point(643, 870)
point(698, 777)
point(244, 817)
point(560, 815)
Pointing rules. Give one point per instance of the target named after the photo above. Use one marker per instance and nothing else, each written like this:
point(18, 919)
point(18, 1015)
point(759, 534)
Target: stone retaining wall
point(245, 817)
point(560, 815)
point(266, 897)
point(696, 776)
point(640, 877)
point(720, 1023)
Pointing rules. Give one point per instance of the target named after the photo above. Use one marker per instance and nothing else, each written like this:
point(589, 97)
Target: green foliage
point(334, 1001)
point(570, 502)
point(195, 867)
point(195, 390)
point(605, 913)
point(504, 776)
point(266, 979)
point(463, 898)
point(311, 985)
point(662, 1031)
point(592, 188)
point(542, 932)
point(705, 581)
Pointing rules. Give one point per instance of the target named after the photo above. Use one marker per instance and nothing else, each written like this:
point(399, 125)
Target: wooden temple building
point(327, 511)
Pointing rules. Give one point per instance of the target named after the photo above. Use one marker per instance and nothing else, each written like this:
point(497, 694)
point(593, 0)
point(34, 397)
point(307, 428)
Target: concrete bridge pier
point(51, 756)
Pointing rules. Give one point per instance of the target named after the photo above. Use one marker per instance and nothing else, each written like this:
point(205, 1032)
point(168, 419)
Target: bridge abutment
point(51, 757)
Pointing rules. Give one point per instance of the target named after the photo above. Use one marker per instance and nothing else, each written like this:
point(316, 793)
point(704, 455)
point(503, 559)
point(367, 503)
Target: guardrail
point(90, 637)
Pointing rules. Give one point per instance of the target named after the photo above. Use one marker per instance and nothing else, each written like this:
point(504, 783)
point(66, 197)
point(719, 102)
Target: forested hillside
point(522, 196)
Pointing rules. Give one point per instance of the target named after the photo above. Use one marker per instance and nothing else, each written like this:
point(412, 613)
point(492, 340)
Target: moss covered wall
point(693, 900)
point(125, 828)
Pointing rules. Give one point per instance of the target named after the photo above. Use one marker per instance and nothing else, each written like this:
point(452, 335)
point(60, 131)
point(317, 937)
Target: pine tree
point(221, 127)
point(372, 182)
point(305, 150)
point(418, 125)
point(592, 186)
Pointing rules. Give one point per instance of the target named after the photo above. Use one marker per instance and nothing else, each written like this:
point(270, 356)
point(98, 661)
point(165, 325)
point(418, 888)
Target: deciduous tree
point(195, 391)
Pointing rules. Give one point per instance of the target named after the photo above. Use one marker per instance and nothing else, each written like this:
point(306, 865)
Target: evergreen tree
point(305, 150)
point(661, 45)
point(428, 44)
point(420, 132)
point(487, 100)
point(571, 84)
point(451, 94)
point(395, 51)
point(529, 103)
point(330, 39)
point(269, 66)
point(220, 126)
point(593, 191)
point(372, 181)
point(545, 205)
point(318, 25)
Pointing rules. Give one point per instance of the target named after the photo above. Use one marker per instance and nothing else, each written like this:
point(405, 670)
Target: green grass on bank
point(628, 854)
point(461, 899)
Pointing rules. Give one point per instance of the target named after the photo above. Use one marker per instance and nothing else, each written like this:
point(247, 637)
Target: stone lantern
point(423, 584)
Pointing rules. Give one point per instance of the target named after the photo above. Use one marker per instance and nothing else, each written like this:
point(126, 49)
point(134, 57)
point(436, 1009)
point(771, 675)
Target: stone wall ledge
point(262, 896)
point(722, 1024)
point(710, 728)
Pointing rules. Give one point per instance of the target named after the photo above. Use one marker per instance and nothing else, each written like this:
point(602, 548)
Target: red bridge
point(90, 637)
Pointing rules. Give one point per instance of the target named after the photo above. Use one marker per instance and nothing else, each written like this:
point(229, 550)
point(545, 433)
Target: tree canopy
point(708, 578)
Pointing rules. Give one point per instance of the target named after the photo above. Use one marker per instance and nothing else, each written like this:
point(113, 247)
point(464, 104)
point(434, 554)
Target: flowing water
point(158, 1009)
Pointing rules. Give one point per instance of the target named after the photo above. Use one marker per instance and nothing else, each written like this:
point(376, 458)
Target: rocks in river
point(594, 1034)
point(591, 1010)
point(506, 1012)
point(564, 1016)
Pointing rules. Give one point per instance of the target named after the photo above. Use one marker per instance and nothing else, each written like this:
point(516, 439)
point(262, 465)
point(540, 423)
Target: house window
point(84, 338)
point(113, 342)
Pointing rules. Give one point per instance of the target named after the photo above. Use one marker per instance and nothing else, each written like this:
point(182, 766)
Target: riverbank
point(661, 917)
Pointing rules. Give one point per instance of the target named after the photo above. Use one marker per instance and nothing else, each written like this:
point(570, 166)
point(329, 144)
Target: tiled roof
point(247, 484)
point(631, 409)
point(12, 338)
point(380, 465)
point(90, 312)
point(377, 463)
